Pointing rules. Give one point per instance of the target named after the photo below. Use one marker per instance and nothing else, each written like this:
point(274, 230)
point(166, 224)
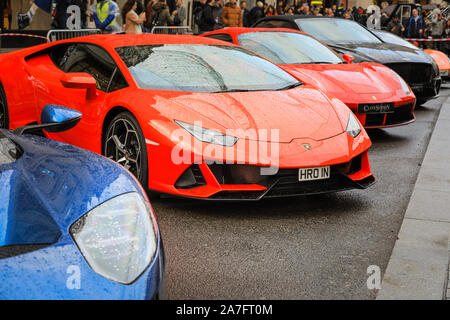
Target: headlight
point(207, 135)
point(353, 127)
point(403, 84)
point(117, 238)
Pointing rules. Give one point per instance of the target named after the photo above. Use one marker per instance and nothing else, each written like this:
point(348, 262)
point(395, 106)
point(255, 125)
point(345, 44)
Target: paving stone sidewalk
point(419, 264)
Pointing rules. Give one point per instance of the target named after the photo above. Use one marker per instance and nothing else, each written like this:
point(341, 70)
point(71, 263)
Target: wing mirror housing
point(80, 81)
point(347, 58)
point(54, 118)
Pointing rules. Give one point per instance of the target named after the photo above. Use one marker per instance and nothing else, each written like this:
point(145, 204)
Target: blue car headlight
point(117, 238)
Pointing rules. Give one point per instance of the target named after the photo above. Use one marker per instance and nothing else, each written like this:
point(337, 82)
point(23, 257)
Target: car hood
point(440, 58)
point(382, 52)
point(341, 80)
point(302, 112)
point(50, 186)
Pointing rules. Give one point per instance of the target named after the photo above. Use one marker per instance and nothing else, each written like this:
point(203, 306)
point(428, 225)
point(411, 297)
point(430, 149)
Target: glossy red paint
point(352, 83)
point(302, 115)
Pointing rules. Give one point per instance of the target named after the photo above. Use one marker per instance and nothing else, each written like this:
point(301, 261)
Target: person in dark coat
point(416, 25)
point(245, 14)
point(256, 13)
point(207, 20)
point(394, 26)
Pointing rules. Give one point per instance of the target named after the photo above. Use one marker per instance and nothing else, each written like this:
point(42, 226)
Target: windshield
point(287, 47)
point(392, 38)
point(336, 30)
point(9, 152)
point(202, 68)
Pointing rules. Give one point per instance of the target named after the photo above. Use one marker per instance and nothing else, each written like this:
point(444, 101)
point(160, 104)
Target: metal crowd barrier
point(55, 35)
point(171, 30)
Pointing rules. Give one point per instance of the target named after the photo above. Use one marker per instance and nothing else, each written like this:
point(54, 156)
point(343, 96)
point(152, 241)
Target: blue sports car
point(73, 225)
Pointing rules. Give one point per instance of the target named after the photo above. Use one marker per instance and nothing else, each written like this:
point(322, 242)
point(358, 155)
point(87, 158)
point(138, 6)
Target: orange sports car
point(378, 96)
point(190, 116)
point(442, 61)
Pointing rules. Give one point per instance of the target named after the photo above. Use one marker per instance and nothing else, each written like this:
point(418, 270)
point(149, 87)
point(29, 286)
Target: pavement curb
point(419, 264)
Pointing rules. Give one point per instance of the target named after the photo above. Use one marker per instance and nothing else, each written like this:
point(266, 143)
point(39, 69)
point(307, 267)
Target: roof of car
point(234, 31)
point(295, 17)
point(124, 40)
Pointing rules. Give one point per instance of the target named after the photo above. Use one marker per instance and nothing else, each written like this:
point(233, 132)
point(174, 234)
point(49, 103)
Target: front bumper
point(428, 90)
point(402, 115)
point(223, 179)
point(46, 272)
point(286, 184)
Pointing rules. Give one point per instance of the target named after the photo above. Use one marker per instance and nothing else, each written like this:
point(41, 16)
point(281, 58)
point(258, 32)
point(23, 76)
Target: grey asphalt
point(315, 247)
point(418, 267)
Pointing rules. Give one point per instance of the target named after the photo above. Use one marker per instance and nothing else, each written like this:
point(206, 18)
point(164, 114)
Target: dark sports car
point(418, 69)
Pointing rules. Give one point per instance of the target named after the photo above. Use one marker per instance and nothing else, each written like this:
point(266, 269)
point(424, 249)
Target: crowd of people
point(139, 16)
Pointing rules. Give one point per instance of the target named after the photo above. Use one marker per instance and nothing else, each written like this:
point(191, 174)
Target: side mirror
point(80, 81)
point(347, 58)
point(54, 118)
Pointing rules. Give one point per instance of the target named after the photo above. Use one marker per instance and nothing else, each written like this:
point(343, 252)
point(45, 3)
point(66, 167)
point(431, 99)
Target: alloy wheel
point(122, 146)
point(2, 113)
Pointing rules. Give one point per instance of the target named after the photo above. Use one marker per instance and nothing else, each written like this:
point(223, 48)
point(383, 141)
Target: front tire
point(124, 142)
point(4, 115)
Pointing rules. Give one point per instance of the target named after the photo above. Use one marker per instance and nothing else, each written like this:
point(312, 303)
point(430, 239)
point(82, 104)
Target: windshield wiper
point(291, 86)
point(321, 62)
point(234, 90)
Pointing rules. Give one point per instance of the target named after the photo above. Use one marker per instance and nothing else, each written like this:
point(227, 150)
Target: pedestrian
point(207, 20)
point(179, 14)
point(298, 7)
point(446, 46)
point(160, 14)
point(217, 14)
point(280, 8)
point(394, 26)
point(133, 21)
point(148, 15)
point(416, 25)
point(271, 11)
point(316, 12)
point(305, 10)
point(105, 13)
point(231, 15)
point(257, 12)
point(437, 30)
point(245, 14)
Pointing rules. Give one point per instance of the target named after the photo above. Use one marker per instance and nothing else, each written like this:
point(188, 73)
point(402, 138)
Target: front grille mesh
point(400, 115)
point(413, 72)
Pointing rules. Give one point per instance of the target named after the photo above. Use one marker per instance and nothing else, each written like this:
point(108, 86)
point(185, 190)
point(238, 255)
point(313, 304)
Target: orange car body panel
point(441, 60)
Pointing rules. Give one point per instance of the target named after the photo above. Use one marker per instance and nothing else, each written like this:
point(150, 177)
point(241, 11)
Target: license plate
point(376, 108)
point(443, 73)
point(316, 173)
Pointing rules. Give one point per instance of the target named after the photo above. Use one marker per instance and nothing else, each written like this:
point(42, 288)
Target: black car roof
point(295, 17)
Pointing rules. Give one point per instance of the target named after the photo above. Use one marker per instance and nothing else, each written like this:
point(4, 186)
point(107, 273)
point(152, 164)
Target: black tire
point(420, 102)
point(4, 115)
point(124, 142)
